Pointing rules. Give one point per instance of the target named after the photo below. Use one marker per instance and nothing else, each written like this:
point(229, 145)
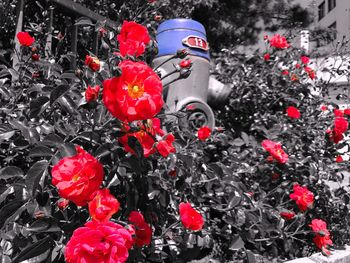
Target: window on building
point(333, 31)
point(321, 10)
point(331, 4)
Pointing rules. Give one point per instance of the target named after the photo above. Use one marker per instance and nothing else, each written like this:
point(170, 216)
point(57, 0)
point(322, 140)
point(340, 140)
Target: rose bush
point(106, 177)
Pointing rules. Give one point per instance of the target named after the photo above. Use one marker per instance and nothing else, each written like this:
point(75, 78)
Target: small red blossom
point(35, 57)
point(338, 113)
point(25, 39)
point(339, 159)
point(93, 63)
point(165, 147)
point(267, 57)
point(78, 177)
point(322, 236)
point(143, 231)
point(297, 65)
point(103, 206)
point(305, 60)
point(293, 112)
point(302, 197)
point(91, 93)
point(62, 203)
point(347, 111)
point(324, 107)
point(275, 149)
point(133, 39)
point(187, 63)
point(287, 215)
point(266, 37)
point(135, 95)
point(190, 218)
point(341, 125)
point(310, 72)
point(285, 72)
point(204, 133)
point(99, 242)
point(279, 42)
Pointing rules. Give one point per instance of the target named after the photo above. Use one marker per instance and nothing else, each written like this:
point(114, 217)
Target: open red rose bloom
point(103, 206)
point(322, 236)
point(293, 112)
point(204, 133)
point(302, 197)
point(99, 243)
point(276, 151)
point(78, 177)
point(133, 39)
point(143, 231)
point(135, 95)
point(279, 42)
point(190, 218)
point(25, 39)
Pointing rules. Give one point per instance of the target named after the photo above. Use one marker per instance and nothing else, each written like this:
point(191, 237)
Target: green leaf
point(40, 151)
point(35, 249)
point(237, 243)
point(136, 146)
point(34, 175)
point(9, 210)
point(68, 150)
point(58, 92)
point(38, 105)
point(53, 139)
point(44, 225)
point(10, 172)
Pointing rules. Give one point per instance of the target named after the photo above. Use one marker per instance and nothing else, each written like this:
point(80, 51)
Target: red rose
point(35, 57)
point(324, 107)
point(185, 63)
point(135, 95)
point(103, 206)
point(91, 93)
point(293, 112)
point(287, 215)
point(279, 42)
point(303, 197)
point(25, 39)
point(133, 39)
point(266, 56)
point(99, 242)
point(310, 72)
point(297, 65)
point(146, 140)
point(78, 177)
point(190, 218)
point(339, 159)
point(285, 72)
point(165, 147)
point(93, 63)
point(143, 231)
point(305, 60)
point(275, 149)
point(322, 236)
point(294, 77)
point(338, 113)
point(62, 203)
point(347, 111)
point(340, 125)
point(204, 133)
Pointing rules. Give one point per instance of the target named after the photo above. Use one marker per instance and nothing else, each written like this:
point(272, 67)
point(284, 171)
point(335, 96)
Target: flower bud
point(35, 57)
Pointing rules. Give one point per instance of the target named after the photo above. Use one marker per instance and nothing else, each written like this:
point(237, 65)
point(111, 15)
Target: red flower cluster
point(310, 72)
point(105, 242)
point(78, 177)
point(279, 42)
point(293, 112)
point(133, 39)
point(103, 206)
point(340, 127)
point(25, 39)
point(91, 93)
point(190, 218)
point(93, 63)
point(135, 95)
point(204, 133)
point(303, 197)
point(146, 137)
point(322, 236)
point(142, 230)
point(267, 57)
point(276, 151)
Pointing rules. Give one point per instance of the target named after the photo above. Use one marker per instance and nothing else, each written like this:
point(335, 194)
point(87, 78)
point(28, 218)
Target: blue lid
point(181, 23)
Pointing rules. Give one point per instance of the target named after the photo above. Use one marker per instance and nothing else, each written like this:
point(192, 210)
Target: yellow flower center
point(135, 91)
point(76, 177)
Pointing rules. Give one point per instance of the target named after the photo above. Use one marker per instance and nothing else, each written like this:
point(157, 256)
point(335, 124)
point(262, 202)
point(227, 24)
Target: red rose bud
point(297, 65)
point(266, 37)
point(287, 215)
point(293, 112)
point(190, 218)
point(267, 57)
point(91, 93)
point(158, 17)
point(25, 39)
point(182, 53)
point(204, 133)
point(62, 203)
point(305, 60)
point(339, 159)
point(93, 63)
point(285, 72)
point(185, 63)
point(302, 197)
point(35, 57)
